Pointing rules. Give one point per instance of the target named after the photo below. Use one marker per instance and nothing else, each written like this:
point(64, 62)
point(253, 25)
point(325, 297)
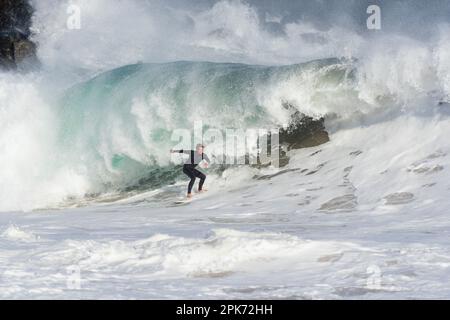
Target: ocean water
point(88, 187)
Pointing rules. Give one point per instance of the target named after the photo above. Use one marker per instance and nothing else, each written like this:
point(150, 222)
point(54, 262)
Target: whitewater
point(88, 184)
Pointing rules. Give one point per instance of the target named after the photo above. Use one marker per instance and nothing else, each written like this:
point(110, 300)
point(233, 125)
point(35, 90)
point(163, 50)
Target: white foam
point(223, 251)
point(14, 233)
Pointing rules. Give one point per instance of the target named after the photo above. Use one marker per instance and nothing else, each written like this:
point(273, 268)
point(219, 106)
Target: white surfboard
point(186, 200)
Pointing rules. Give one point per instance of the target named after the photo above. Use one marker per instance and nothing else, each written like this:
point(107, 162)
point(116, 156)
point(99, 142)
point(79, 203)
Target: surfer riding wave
point(189, 168)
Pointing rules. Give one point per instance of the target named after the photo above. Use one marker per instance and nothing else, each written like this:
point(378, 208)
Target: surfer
point(189, 168)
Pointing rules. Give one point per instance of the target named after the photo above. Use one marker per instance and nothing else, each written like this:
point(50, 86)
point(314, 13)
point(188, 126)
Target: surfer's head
point(200, 147)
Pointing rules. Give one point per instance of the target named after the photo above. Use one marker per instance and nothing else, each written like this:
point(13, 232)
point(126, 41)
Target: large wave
point(113, 131)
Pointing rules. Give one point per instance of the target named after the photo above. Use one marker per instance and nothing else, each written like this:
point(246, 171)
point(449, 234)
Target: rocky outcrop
point(303, 131)
point(16, 49)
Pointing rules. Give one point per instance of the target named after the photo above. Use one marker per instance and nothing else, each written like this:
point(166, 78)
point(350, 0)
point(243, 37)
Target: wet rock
point(16, 49)
point(303, 131)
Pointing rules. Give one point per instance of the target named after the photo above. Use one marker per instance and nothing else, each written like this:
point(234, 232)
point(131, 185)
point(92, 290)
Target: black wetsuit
point(190, 165)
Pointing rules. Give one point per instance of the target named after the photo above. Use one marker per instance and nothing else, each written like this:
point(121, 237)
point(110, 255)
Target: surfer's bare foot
point(203, 190)
point(189, 195)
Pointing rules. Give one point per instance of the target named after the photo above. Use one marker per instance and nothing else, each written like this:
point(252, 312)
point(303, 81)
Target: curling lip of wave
point(123, 118)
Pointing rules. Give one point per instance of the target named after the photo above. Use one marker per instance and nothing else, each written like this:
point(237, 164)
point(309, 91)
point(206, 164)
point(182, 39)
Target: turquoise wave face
point(117, 127)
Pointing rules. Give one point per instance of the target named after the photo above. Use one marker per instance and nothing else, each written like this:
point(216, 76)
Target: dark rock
point(303, 131)
point(15, 15)
point(15, 22)
point(7, 59)
point(24, 49)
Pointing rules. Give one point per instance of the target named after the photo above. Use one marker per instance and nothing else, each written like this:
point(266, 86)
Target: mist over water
point(254, 32)
point(402, 68)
